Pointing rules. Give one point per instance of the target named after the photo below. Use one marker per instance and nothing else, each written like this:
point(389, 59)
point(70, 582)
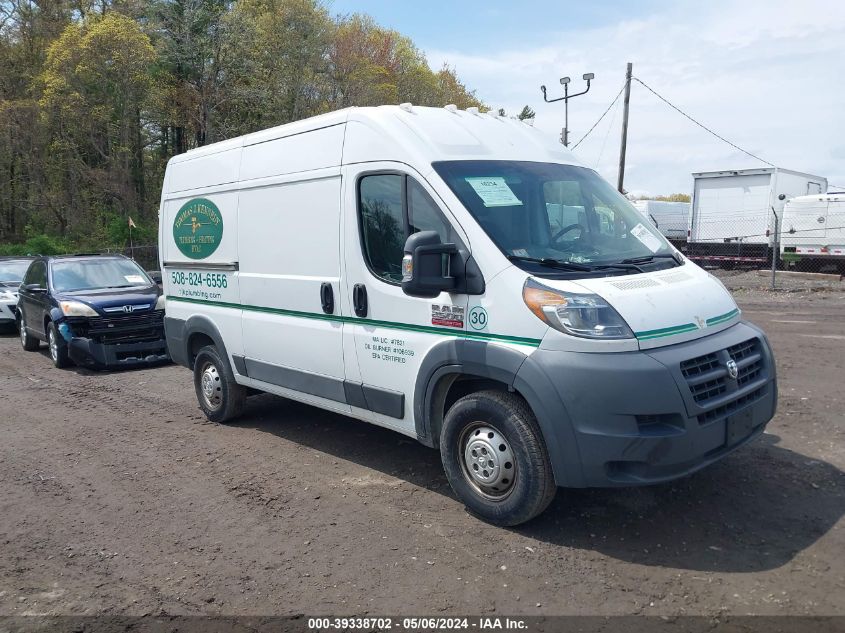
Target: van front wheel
point(219, 396)
point(495, 458)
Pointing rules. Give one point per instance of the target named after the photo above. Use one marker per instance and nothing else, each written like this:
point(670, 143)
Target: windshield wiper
point(649, 258)
point(624, 265)
point(551, 263)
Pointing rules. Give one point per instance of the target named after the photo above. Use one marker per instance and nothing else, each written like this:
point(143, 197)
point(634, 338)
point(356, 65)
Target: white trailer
point(733, 212)
point(813, 229)
point(670, 218)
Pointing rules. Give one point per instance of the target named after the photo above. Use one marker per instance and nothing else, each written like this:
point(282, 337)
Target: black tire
point(509, 499)
point(57, 346)
point(29, 342)
point(219, 397)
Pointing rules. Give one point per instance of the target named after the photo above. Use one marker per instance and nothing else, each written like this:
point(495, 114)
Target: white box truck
point(814, 232)
point(461, 279)
point(670, 218)
point(733, 212)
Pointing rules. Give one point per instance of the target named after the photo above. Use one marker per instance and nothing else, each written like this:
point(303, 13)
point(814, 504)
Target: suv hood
point(666, 306)
point(114, 297)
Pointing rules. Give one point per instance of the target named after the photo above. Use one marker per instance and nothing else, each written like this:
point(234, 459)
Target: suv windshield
point(13, 270)
point(95, 274)
point(554, 214)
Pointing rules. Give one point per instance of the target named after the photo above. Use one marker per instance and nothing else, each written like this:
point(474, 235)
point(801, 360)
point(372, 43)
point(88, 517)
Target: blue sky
point(766, 74)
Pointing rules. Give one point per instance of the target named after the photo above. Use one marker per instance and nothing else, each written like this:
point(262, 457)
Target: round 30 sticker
point(478, 318)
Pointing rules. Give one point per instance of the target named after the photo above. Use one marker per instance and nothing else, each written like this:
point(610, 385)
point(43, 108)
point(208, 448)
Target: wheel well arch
point(196, 341)
point(454, 368)
point(199, 331)
point(451, 387)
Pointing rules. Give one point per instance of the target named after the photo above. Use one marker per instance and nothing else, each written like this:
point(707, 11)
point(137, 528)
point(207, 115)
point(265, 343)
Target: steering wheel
point(566, 230)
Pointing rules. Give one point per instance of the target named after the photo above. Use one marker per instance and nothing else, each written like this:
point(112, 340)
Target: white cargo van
point(733, 212)
point(461, 279)
point(814, 229)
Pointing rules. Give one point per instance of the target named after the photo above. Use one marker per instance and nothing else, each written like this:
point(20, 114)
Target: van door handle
point(327, 297)
point(359, 299)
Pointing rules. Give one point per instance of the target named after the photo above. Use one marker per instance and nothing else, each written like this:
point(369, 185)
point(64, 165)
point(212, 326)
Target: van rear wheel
point(495, 458)
point(219, 396)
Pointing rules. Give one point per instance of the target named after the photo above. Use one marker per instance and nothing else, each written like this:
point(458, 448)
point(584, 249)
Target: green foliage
point(526, 113)
point(95, 97)
point(37, 245)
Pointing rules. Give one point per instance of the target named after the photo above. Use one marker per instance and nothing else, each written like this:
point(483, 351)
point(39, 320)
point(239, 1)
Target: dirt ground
point(116, 497)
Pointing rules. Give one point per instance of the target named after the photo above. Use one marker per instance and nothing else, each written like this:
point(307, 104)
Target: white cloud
point(766, 75)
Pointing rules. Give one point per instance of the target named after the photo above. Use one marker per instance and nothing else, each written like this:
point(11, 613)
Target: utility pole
point(624, 146)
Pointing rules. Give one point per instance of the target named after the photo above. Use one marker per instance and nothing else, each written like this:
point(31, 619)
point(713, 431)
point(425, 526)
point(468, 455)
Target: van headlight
point(77, 309)
point(160, 303)
point(585, 315)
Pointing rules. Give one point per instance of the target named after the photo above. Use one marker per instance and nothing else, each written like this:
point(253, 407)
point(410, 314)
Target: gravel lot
point(117, 497)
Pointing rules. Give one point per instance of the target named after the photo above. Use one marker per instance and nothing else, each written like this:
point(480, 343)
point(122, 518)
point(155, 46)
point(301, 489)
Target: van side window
point(424, 215)
point(381, 205)
point(392, 207)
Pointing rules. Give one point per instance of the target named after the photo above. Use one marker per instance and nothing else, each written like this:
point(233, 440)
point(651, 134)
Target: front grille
point(711, 386)
point(121, 328)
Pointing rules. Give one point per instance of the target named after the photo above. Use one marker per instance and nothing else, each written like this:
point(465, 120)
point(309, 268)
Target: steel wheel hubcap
point(54, 346)
point(211, 387)
point(488, 461)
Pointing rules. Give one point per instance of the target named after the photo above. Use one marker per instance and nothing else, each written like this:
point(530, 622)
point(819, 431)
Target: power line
point(601, 117)
point(701, 125)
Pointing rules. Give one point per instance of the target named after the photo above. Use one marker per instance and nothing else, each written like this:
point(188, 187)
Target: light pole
point(564, 81)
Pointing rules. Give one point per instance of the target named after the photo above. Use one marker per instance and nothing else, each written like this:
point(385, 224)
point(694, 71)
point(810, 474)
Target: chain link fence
point(807, 238)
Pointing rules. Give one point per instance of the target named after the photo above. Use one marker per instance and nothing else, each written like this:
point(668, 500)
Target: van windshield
point(552, 213)
point(96, 274)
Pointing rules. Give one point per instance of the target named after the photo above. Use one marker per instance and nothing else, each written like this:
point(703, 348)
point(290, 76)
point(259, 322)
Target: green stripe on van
point(666, 331)
point(426, 329)
point(727, 316)
point(686, 327)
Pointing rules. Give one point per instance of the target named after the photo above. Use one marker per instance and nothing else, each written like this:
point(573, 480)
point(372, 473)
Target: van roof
point(424, 132)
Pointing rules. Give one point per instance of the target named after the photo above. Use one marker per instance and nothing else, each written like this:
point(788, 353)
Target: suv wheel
point(30, 343)
point(58, 347)
point(495, 458)
point(219, 396)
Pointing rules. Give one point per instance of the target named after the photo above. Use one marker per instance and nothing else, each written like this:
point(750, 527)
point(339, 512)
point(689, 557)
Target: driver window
point(37, 274)
point(380, 203)
point(392, 207)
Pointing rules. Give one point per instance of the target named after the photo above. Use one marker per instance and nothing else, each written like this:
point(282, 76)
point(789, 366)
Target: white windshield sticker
point(134, 279)
point(646, 237)
point(494, 192)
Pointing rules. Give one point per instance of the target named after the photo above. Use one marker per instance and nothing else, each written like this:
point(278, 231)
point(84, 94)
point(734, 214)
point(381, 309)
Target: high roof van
point(462, 279)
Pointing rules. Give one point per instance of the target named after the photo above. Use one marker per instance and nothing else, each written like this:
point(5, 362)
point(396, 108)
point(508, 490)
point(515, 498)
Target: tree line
point(96, 96)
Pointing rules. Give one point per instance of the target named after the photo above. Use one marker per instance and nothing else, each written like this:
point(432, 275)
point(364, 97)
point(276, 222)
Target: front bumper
point(653, 416)
point(8, 312)
point(85, 352)
point(117, 340)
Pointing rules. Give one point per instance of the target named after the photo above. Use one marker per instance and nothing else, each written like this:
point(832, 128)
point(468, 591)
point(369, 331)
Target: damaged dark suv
point(96, 311)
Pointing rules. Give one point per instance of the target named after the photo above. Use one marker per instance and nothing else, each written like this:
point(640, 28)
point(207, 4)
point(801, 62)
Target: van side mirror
point(426, 266)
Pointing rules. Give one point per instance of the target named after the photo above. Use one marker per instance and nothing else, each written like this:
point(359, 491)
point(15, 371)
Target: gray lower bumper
point(647, 417)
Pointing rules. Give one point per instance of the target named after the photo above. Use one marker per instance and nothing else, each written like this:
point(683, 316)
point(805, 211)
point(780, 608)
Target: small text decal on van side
point(198, 228)
point(447, 316)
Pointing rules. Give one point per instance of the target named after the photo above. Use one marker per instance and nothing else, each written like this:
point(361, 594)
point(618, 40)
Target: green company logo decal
point(198, 228)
